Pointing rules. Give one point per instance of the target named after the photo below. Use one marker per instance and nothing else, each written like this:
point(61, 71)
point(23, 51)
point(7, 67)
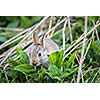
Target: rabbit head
point(39, 54)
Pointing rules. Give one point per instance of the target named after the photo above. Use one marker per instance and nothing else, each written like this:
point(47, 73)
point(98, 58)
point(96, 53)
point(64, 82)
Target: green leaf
point(54, 72)
point(53, 58)
point(12, 62)
point(41, 74)
point(66, 74)
point(24, 57)
point(97, 42)
point(13, 24)
point(56, 58)
point(24, 68)
point(18, 50)
point(25, 21)
point(71, 59)
point(36, 18)
point(11, 73)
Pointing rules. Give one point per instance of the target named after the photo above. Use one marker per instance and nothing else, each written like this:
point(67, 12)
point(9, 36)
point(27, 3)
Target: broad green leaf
point(11, 73)
point(53, 58)
point(66, 74)
point(12, 62)
point(56, 58)
point(71, 59)
point(60, 56)
point(97, 42)
point(18, 50)
point(36, 18)
point(13, 24)
point(26, 21)
point(24, 57)
point(54, 71)
point(24, 68)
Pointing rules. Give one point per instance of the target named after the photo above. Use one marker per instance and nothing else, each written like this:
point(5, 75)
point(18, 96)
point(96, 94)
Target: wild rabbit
point(41, 48)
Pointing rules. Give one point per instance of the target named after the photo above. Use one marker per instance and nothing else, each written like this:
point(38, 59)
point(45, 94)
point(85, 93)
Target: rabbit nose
point(46, 64)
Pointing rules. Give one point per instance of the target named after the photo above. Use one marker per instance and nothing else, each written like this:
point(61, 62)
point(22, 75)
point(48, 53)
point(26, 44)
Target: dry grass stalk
point(13, 49)
point(16, 37)
point(23, 40)
point(72, 50)
point(6, 76)
point(96, 31)
point(89, 45)
point(82, 37)
point(50, 26)
point(55, 26)
point(63, 33)
point(70, 31)
point(95, 75)
point(82, 54)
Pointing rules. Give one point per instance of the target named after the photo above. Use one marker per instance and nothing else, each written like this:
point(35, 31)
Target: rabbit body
point(40, 49)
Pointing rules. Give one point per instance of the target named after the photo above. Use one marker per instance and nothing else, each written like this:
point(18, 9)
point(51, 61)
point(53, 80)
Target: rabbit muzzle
point(46, 64)
point(44, 60)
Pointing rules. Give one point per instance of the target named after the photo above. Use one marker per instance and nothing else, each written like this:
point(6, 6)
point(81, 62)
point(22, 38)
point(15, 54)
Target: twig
point(82, 54)
point(89, 45)
point(26, 50)
point(87, 81)
point(50, 23)
point(55, 26)
point(26, 44)
point(6, 76)
point(88, 49)
point(59, 31)
point(78, 57)
point(70, 31)
point(7, 44)
point(73, 80)
point(63, 33)
point(96, 31)
point(79, 40)
point(13, 38)
point(95, 75)
point(97, 80)
point(72, 50)
point(49, 30)
point(52, 33)
point(95, 69)
point(27, 36)
point(82, 37)
point(23, 39)
point(89, 69)
point(50, 26)
point(5, 53)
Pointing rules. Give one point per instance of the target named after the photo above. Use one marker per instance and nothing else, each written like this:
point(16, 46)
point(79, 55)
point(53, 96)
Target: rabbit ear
point(35, 38)
point(42, 40)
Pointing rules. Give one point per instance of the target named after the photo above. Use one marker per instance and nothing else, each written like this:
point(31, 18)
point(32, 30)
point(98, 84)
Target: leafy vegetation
point(66, 65)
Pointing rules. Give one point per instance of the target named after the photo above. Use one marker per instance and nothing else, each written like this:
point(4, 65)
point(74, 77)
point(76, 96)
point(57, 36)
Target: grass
point(78, 59)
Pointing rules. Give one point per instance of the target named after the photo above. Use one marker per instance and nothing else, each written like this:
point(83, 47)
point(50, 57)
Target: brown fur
point(41, 49)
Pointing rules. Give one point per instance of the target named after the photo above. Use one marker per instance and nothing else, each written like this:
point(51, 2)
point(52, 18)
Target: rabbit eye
point(39, 54)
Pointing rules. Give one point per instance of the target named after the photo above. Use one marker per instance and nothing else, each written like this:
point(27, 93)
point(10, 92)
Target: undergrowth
point(64, 64)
